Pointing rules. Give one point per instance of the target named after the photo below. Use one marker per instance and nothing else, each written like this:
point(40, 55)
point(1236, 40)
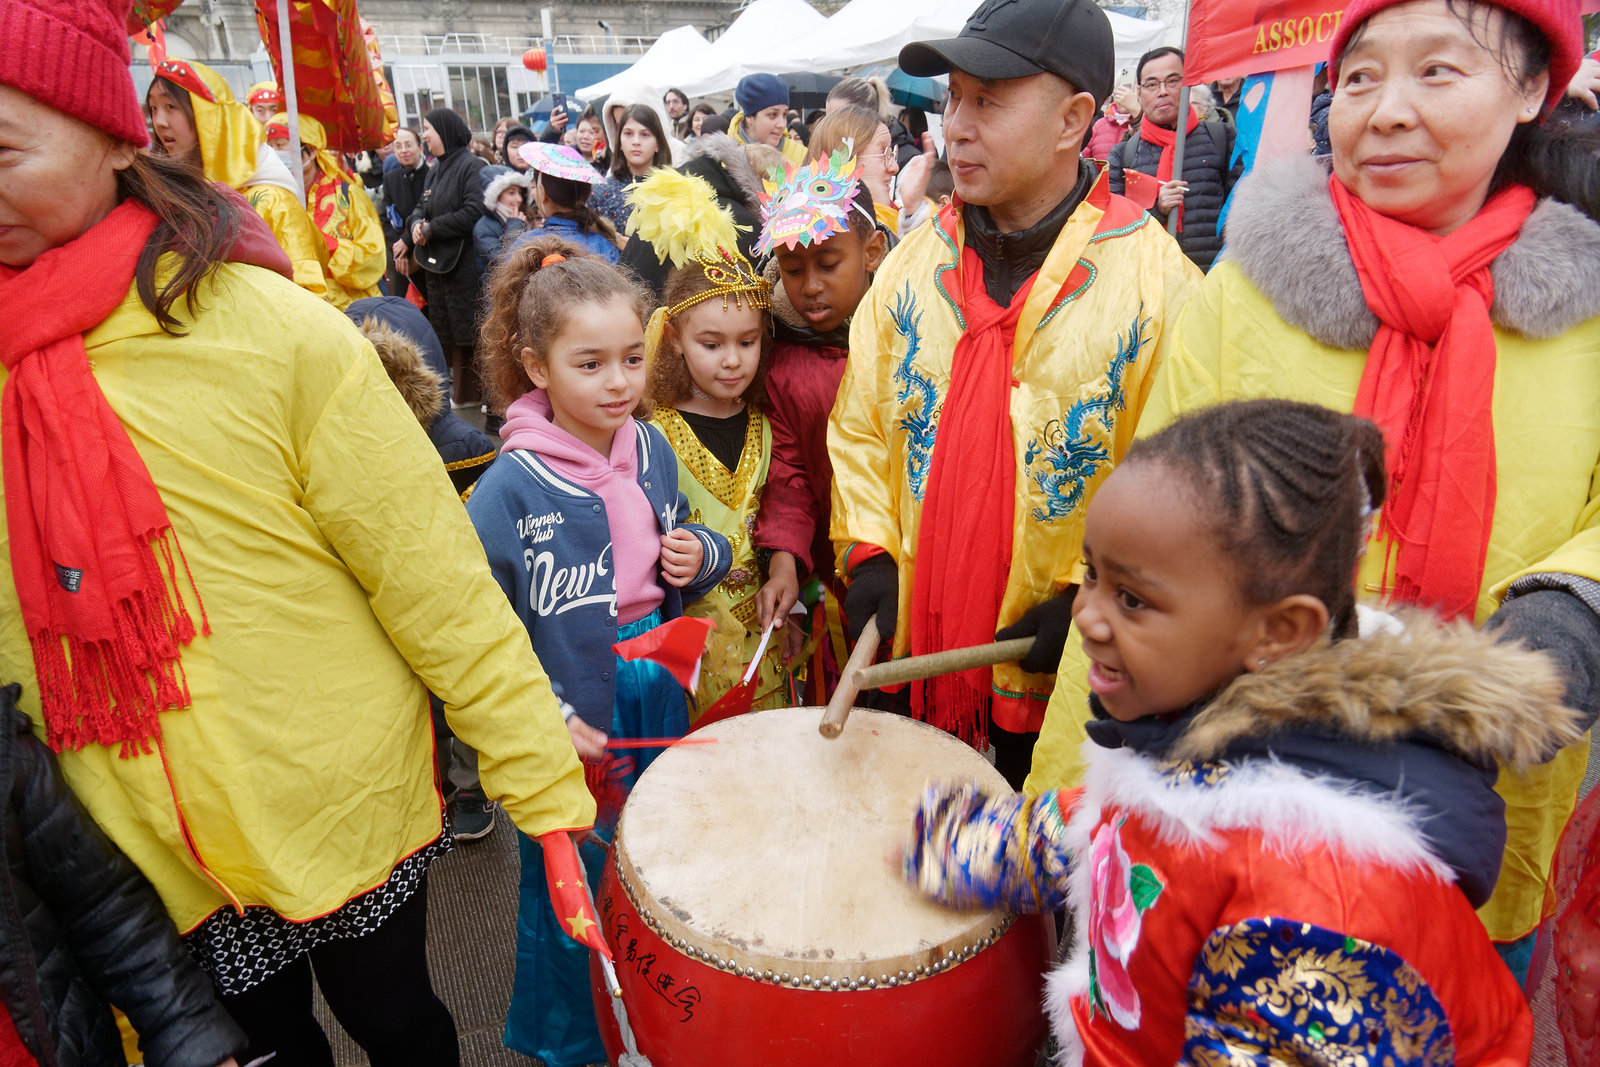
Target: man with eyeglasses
point(997, 369)
point(1208, 177)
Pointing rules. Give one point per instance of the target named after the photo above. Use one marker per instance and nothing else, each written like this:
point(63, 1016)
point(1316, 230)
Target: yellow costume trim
point(487, 457)
point(730, 487)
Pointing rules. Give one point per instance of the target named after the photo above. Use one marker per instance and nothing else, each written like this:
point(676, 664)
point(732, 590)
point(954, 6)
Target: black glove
point(874, 590)
point(1557, 623)
point(1047, 624)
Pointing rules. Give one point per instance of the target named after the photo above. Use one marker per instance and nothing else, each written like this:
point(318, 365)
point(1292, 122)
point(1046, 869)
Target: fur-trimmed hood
point(500, 183)
point(1460, 687)
point(421, 387)
point(1405, 726)
point(727, 158)
point(1546, 283)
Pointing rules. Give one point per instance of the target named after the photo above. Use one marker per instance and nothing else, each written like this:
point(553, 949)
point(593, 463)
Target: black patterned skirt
point(242, 951)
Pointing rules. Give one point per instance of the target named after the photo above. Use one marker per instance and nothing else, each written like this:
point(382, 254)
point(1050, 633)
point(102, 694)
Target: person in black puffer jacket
point(1208, 176)
point(79, 926)
point(440, 234)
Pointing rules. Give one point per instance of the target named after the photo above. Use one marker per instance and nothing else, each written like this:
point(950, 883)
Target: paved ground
point(472, 907)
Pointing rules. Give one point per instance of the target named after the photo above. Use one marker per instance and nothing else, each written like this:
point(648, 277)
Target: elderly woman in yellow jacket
point(195, 117)
point(1441, 283)
point(234, 569)
point(345, 214)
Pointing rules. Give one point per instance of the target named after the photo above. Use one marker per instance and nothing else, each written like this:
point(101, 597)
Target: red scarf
point(1429, 383)
point(93, 554)
point(964, 541)
point(1167, 141)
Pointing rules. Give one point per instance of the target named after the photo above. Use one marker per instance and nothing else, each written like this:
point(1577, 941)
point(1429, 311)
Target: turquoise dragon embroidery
point(916, 392)
point(1070, 453)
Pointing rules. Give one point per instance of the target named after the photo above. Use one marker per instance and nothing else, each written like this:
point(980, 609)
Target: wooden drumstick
point(844, 697)
point(915, 668)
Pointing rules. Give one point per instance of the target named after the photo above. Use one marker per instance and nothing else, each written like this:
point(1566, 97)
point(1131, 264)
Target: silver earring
point(1261, 662)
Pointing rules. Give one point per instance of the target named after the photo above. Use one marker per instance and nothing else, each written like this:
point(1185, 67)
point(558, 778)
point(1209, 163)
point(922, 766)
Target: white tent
point(779, 36)
point(750, 45)
point(662, 67)
point(870, 32)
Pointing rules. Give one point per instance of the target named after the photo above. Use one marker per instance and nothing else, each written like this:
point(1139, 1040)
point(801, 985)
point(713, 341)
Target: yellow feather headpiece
point(680, 217)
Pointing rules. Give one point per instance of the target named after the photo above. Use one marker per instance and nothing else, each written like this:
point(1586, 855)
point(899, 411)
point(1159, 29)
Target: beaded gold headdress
point(680, 217)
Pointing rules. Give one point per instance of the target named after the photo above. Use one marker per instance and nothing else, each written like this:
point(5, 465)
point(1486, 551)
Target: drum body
point(755, 917)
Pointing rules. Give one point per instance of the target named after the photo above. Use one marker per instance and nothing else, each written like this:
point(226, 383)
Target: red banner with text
point(1232, 38)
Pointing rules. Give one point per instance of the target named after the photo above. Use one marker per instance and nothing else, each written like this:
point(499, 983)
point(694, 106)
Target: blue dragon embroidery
point(916, 392)
point(1071, 454)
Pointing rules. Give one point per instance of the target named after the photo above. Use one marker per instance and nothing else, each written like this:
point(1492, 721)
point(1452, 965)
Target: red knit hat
point(1559, 20)
point(72, 55)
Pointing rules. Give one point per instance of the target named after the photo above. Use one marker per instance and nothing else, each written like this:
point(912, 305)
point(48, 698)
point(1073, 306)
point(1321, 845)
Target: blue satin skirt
point(551, 1017)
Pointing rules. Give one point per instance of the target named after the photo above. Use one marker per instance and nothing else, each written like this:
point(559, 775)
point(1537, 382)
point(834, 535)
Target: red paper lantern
point(534, 60)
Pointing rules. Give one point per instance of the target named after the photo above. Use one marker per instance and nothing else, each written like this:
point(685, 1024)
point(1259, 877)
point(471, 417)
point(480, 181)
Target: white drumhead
point(770, 846)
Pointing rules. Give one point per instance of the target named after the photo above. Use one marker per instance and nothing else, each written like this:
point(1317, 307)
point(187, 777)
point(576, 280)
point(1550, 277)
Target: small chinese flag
point(1141, 188)
point(574, 907)
point(676, 645)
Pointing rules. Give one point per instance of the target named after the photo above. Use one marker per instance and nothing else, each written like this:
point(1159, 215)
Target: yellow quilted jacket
point(342, 580)
point(1084, 360)
point(1308, 341)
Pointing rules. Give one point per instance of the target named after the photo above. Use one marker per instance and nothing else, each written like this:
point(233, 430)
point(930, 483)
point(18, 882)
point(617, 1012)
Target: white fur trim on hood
point(502, 182)
point(1293, 810)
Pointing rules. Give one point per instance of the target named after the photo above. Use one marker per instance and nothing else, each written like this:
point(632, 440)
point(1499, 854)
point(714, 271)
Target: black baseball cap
point(1019, 38)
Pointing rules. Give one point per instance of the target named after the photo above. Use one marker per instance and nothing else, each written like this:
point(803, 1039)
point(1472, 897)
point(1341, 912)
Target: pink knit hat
point(72, 55)
point(1560, 21)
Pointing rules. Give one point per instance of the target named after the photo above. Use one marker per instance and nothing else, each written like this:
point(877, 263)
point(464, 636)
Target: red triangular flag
point(414, 295)
point(676, 645)
point(735, 701)
point(572, 902)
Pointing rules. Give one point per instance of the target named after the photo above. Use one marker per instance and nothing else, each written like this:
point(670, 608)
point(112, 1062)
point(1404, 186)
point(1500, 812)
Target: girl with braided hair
point(1288, 813)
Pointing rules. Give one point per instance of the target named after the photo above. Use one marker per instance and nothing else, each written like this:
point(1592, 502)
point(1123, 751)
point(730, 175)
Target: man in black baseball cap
point(1007, 39)
point(1035, 304)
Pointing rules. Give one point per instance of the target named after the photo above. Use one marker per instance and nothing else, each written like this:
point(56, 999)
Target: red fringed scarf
point(964, 541)
point(93, 555)
point(1429, 383)
point(1167, 141)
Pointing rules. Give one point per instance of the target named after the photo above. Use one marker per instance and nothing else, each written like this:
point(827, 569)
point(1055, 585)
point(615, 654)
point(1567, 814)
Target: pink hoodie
point(615, 481)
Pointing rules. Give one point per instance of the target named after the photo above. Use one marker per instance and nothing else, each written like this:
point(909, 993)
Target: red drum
point(756, 919)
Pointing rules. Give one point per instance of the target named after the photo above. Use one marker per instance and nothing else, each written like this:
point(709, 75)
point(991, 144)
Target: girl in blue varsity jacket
point(585, 530)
